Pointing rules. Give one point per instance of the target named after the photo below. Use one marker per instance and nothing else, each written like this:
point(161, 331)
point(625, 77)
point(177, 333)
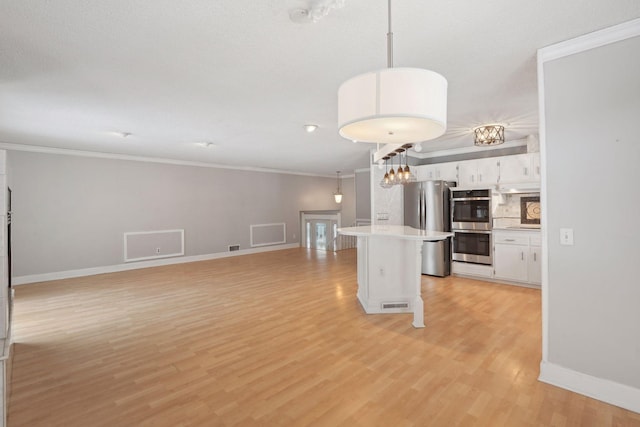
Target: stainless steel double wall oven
point(471, 224)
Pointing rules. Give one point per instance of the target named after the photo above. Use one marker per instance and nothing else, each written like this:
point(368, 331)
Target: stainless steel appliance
point(471, 209)
point(472, 246)
point(471, 225)
point(426, 207)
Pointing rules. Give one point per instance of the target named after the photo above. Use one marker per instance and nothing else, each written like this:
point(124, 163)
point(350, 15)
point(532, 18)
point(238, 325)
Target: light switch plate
point(382, 216)
point(566, 236)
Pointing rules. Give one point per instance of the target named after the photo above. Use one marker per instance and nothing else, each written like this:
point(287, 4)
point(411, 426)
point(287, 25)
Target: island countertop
point(397, 231)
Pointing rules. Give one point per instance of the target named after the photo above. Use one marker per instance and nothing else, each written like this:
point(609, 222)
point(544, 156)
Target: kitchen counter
point(397, 231)
point(390, 268)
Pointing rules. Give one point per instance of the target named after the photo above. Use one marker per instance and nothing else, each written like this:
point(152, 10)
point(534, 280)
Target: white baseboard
point(35, 278)
point(617, 394)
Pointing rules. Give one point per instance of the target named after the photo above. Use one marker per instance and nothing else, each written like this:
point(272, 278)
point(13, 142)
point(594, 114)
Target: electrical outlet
point(157, 250)
point(382, 272)
point(566, 236)
point(382, 216)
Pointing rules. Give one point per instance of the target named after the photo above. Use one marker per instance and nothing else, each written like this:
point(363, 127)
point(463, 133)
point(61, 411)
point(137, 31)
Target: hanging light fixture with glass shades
point(489, 135)
point(338, 194)
point(386, 182)
point(403, 175)
point(407, 176)
point(393, 105)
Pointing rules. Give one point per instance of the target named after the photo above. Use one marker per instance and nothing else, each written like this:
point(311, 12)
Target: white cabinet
point(444, 171)
point(516, 169)
point(510, 262)
point(535, 166)
point(534, 267)
point(516, 256)
point(520, 168)
point(478, 173)
point(447, 171)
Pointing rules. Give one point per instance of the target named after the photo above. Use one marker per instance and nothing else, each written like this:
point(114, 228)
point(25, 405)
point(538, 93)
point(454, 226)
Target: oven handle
point(464, 199)
point(472, 231)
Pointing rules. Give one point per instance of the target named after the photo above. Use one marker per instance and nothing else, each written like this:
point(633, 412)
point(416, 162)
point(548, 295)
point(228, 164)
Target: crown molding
point(112, 156)
point(590, 41)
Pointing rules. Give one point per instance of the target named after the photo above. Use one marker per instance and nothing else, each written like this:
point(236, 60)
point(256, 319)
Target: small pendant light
point(338, 194)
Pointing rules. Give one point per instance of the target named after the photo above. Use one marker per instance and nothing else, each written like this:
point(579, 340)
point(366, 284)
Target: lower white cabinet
point(535, 268)
point(511, 262)
point(516, 256)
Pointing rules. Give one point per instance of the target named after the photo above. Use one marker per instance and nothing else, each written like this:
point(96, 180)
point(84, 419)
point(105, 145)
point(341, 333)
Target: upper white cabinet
point(478, 173)
point(520, 168)
point(447, 171)
point(444, 171)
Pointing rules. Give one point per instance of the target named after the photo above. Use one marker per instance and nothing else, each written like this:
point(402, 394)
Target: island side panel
point(416, 278)
point(363, 271)
point(391, 275)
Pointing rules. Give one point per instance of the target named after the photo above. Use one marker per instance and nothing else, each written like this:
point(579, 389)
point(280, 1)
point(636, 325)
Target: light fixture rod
point(390, 41)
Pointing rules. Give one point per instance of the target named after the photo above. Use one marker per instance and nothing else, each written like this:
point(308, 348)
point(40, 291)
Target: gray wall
point(71, 212)
point(592, 104)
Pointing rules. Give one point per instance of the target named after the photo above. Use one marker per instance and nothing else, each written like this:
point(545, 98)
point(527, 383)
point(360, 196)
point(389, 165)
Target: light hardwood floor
point(278, 339)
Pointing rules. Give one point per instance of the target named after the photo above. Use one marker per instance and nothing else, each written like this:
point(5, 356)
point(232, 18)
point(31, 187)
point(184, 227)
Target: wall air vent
point(392, 305)
point(233, 248)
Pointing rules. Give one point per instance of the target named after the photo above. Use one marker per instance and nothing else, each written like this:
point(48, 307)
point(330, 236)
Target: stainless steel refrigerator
point(426, 207)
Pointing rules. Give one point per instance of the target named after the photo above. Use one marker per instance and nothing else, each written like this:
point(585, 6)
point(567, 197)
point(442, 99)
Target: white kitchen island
point(390, 268)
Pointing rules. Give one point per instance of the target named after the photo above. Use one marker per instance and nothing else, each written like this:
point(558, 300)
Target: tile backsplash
point(506, 207)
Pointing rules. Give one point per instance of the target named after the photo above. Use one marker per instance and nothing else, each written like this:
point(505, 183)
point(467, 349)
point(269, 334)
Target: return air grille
point(391, 305)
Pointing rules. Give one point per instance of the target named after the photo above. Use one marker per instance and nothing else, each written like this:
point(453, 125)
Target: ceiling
point(240, 74)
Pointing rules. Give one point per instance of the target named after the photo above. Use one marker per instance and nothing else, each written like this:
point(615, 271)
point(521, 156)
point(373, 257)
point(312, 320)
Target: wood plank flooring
point(278, 339)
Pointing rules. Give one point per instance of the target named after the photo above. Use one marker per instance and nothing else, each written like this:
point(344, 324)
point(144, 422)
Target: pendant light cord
point(389, 41)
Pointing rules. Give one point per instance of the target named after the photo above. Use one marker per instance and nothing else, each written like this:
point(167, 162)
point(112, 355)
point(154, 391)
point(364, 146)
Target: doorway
point(320, 231)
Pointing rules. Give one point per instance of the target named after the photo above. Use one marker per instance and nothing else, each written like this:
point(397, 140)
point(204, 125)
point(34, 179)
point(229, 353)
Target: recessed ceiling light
point(121, 134)
point(310, 128)
point(206, 144)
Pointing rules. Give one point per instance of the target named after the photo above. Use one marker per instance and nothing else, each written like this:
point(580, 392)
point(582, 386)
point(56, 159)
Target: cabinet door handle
point(535, 258)
point(526, 171)
point(473, 178)
point(538, 170)
point(509, 240)
point(522, 256)
point(480, 178)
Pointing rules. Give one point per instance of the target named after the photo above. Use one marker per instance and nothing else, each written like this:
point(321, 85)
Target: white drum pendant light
point(393, 105)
